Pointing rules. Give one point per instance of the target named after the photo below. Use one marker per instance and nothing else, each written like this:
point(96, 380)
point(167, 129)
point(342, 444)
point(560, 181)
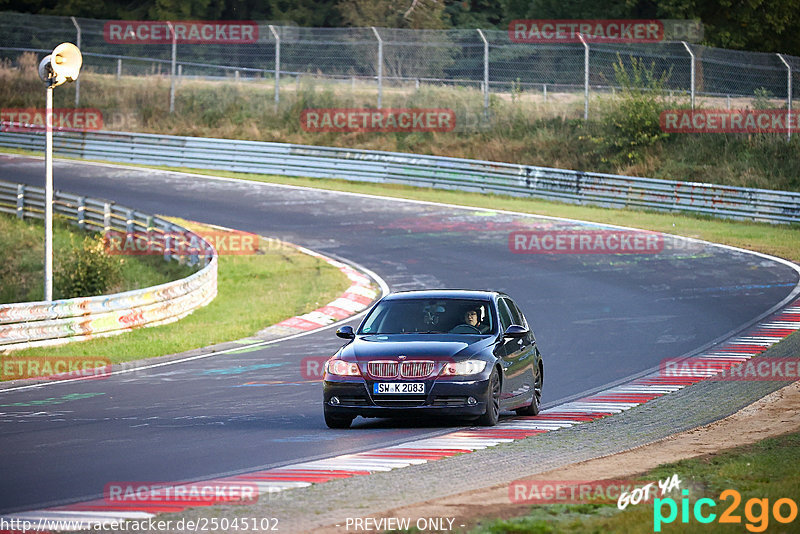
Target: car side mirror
point(346, 332)
point(515, 331)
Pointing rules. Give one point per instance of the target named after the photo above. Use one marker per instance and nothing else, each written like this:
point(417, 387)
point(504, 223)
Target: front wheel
point(533, 408)
point(337, 420)
point(492, 414)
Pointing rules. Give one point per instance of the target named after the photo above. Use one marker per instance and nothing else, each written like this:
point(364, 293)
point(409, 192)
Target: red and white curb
point(608, 402)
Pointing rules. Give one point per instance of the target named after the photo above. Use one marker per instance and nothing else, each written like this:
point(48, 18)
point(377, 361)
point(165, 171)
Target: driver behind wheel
point(472, 317)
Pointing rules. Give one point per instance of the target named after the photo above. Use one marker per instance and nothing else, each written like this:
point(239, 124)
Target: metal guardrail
point(606, 190)
point(32, 324)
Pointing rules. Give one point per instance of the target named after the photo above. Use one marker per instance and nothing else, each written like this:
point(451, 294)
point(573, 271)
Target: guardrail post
point(788, 98)
point(485, 74)
point(119, 68)
point(585, 77)
point(78, 44)
point(129, 222)
point(380, 66)
point(277, 65)
point(106, 217)
point(167, 236)
point(82, 213)
point(20, 201)
point(691, 71)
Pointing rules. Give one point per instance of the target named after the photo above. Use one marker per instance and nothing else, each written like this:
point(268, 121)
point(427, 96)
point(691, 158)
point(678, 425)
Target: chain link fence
point(375, 59)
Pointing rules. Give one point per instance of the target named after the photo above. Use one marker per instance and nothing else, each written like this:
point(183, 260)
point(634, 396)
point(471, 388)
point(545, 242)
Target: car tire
point(492, 414)
point(337, 420)
point(533, 407)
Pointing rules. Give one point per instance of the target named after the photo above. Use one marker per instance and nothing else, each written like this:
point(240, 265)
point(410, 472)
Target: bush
point(632, 121)
point(87, 270)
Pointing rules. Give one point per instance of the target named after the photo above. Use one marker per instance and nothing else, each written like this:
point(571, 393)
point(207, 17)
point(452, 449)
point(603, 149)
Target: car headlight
point(467, 367)
point(342, 368)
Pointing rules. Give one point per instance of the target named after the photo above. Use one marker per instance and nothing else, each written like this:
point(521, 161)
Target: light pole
point(62, 66)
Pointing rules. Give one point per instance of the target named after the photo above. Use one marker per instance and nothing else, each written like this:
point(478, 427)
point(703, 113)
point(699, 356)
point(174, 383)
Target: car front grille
point(401, 403)
point(382, 369)
point(409, 369)
point(416, 369)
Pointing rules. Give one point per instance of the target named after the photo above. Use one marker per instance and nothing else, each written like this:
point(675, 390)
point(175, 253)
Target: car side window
point(516, 314)
point(505, 315)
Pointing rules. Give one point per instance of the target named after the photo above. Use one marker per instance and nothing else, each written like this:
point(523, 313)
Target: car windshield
point(431, 316)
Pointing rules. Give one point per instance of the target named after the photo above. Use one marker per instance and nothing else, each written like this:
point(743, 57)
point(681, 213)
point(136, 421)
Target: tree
point(416, 14)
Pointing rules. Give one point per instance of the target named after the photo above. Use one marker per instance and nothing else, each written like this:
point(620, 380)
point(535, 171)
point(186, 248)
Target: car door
point(513, 354)
point(530, 355)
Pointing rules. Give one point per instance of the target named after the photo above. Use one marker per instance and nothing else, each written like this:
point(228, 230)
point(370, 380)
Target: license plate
point(398, 388)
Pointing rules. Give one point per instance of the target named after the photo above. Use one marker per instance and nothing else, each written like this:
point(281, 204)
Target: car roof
point(444, 294)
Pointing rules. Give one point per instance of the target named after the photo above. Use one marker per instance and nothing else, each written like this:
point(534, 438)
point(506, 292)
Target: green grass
point(254, 291)
point(22, 261)
point(769, 469)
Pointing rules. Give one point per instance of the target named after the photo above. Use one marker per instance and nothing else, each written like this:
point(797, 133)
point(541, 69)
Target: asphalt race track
point(598, 318)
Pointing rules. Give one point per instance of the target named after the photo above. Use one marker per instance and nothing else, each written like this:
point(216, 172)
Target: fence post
point(172, 68)
point(788, 98)
point(585, 77)
point(277, 65)
point(380, 66)
point(78, 44)
point(485, 74)
point(20, 201)
point(691, 56)
point(119, 68)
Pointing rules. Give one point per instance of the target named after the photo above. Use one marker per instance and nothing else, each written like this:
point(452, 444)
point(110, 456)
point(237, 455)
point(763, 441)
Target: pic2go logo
point(756, 511)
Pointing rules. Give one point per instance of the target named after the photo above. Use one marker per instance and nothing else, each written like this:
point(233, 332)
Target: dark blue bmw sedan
point(447, 352)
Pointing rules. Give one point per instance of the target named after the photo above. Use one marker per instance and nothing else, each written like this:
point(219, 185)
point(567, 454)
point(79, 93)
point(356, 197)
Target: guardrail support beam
point(21, 201)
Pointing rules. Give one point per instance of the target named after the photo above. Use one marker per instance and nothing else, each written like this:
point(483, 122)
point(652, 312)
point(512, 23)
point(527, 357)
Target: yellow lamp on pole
point(62, 66)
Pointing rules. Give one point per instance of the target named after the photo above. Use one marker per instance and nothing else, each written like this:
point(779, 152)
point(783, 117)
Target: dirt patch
point(776, 414)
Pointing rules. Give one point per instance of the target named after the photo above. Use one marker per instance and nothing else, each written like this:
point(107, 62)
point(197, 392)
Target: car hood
point(415, 346)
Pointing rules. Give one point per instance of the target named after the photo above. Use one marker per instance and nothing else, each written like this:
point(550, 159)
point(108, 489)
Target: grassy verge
point(767, 470)
point(276, 283)
point(22, 253)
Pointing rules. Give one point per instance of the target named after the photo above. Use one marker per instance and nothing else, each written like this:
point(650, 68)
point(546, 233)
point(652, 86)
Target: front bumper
point(442, 398)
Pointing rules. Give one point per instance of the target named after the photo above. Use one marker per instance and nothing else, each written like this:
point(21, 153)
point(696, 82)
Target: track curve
point(598, 319)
